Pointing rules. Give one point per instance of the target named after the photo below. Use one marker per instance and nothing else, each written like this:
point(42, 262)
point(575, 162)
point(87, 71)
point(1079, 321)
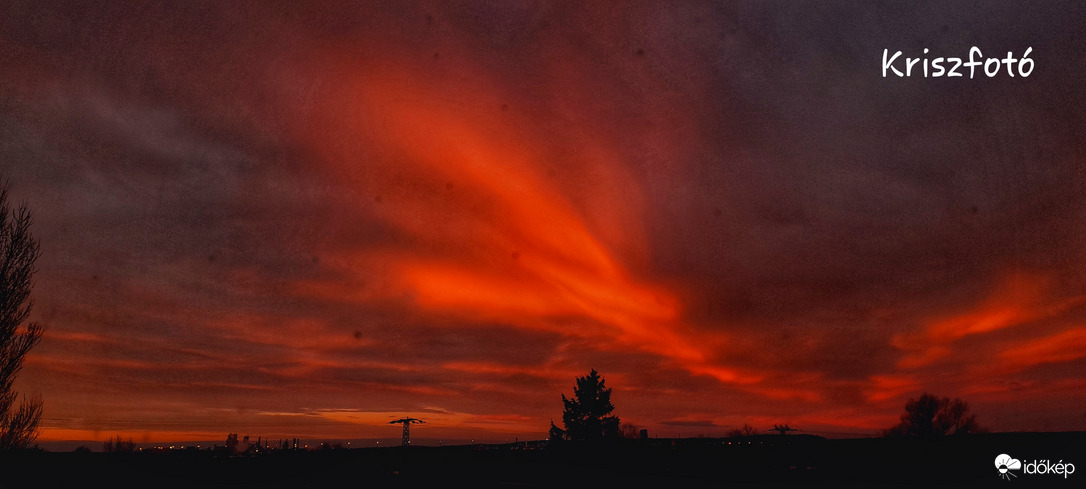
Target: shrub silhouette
point(118, 445)
point(929, 416)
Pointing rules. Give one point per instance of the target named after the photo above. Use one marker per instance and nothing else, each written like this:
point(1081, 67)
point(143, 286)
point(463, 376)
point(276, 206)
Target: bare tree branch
point(18, 252)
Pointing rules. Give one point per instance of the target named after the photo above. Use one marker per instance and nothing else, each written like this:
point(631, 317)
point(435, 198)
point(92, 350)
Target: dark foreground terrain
point(792, 460)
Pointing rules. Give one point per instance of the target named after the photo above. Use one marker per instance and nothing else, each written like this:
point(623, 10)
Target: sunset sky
point(287, 221)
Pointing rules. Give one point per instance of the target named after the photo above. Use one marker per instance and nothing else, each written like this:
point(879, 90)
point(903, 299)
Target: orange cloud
point(1020, 299)
point(1061, 347)
point(884, 387)
point(488, 236)
point(550, 372)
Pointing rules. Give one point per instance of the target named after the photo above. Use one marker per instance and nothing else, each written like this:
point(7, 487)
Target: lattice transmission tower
point(407, 422)
point(782, 429)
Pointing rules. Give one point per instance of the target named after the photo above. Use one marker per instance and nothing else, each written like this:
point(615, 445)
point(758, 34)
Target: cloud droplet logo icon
point(1005, 464)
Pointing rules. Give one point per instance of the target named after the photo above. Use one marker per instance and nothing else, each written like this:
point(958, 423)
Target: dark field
point(792, 460)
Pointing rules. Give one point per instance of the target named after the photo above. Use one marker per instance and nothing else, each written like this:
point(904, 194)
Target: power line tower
point(407, 422)
point(782, 428)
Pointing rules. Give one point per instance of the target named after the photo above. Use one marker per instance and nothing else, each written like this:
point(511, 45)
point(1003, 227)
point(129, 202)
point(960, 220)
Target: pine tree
point(587, 414)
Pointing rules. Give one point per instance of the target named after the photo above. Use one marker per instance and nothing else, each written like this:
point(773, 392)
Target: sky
point(305, 221)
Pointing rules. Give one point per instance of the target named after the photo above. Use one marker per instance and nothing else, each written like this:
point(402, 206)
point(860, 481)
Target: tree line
point(588, 416)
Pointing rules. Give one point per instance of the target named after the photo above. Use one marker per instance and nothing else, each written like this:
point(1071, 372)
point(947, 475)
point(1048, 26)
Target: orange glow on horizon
point(138, 436)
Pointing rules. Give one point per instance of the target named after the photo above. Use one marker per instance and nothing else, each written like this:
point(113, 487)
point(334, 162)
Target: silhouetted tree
point(929, 416)
point(119, 445)
point(629, 431)
point(18, 251)
point(586, 415)
point(746, 430)
point(556, 433)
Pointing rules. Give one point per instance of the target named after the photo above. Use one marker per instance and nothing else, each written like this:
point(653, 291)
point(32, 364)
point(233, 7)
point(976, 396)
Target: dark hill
point(791, 460)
